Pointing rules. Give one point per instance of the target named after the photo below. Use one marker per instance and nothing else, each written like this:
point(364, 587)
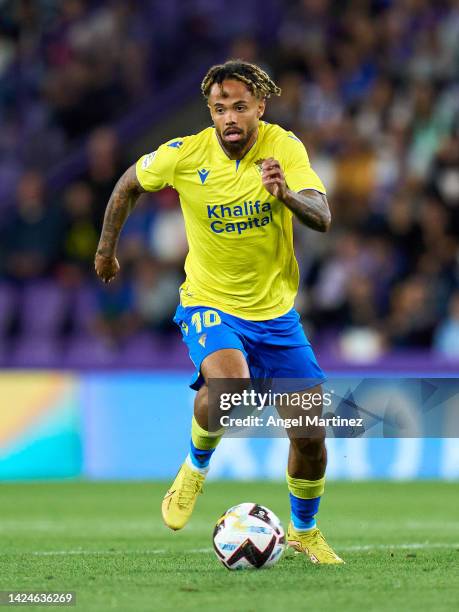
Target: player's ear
point(261, 108)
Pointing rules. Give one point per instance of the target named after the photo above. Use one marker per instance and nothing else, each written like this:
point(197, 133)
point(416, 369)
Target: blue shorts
point(276, 348)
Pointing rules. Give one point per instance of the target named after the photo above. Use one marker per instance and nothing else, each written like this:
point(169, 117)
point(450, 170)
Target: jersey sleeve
point(156, 170)
point(297, 170)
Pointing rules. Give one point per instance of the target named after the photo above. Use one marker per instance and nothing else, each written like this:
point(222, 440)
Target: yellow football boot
point(313, 544)
point(179, 501)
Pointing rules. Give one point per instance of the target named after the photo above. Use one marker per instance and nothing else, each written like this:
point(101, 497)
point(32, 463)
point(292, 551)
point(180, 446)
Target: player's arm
point(121, 203)
point(152, 172)
point(308, 205)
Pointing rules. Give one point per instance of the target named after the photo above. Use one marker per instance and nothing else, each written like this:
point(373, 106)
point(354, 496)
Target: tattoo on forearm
point(121, 203)
point(311, 208)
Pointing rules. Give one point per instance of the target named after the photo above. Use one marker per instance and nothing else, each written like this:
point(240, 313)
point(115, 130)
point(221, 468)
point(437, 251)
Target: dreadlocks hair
point(256, 79)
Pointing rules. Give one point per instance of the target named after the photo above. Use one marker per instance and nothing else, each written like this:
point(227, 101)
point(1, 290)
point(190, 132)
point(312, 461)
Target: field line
point(410, 546)
point(163, 551)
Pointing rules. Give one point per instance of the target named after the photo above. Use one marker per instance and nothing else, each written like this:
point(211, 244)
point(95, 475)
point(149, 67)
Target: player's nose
point(230, 119)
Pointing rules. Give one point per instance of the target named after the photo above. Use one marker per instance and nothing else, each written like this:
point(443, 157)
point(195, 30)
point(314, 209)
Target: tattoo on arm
point(121, 203)
point(310, 207)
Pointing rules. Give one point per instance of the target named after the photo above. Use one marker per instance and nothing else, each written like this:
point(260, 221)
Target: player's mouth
point(232, 134)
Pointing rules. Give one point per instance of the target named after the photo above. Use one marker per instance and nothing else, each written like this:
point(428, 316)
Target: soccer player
point(240, 183)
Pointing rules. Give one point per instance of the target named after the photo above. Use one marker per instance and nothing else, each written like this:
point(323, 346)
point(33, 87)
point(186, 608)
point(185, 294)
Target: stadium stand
point(372, 91)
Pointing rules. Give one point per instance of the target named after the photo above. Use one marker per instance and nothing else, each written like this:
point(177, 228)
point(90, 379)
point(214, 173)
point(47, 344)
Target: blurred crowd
point(372, 89)
point(68, 66)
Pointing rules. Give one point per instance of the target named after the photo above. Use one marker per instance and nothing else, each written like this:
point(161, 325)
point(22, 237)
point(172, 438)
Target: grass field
point(106, 541)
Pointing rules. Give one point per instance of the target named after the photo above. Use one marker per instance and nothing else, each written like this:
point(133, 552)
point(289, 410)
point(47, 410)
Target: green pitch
point(107, 542)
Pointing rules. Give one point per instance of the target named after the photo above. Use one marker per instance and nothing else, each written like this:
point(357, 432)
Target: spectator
point(115, 320)
point(32, 234)
point(444, 177)
point(155, 293)
point(80, 233)
point(446, 341)
point(104, 168)
point(412, 320)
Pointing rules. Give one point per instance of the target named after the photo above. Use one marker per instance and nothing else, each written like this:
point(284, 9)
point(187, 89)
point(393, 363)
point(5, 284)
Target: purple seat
point(7, 307)
point(176, 354)
point(44, 306)
point(148, 350)
point(83, 351)
point(31, 352)
point(5, 353)
point(142, 350)
point(83, 309)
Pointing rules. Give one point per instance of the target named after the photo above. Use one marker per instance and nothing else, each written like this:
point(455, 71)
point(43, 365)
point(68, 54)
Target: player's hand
point(106, 266)
point(273, 178)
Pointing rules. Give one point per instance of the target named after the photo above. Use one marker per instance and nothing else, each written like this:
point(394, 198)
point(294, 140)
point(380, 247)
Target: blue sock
point(303, 512)
point(200, 458)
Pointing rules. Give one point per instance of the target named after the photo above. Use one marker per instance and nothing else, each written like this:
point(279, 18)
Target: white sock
point(194, 467)
point(305, 530)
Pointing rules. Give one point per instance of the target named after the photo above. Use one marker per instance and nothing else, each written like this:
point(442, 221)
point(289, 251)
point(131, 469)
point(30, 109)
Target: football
point(248, 536)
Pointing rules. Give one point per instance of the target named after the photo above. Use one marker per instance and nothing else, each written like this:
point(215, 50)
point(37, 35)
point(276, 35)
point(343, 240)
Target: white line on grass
point(161, 551)
point(411, 546)
point(50, 553)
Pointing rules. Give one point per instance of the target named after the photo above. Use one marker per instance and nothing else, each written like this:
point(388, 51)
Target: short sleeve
point(297, 170)
point(156, 170)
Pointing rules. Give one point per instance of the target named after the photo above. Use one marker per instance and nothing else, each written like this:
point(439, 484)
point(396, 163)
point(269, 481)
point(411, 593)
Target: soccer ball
point(248, 536)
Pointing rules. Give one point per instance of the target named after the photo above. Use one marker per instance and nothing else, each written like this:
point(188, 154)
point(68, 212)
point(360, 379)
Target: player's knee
point(201, 407)
point(312, 448)
point(201, 401)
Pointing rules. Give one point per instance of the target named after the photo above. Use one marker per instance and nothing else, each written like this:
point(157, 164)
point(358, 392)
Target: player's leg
point(285, 353)
point(307, 460)
point(226, 364)
point(306, 467)
point(179, 501)
point(217, 352)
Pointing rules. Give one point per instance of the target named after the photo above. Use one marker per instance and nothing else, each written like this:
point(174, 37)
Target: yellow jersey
point(241, 258)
